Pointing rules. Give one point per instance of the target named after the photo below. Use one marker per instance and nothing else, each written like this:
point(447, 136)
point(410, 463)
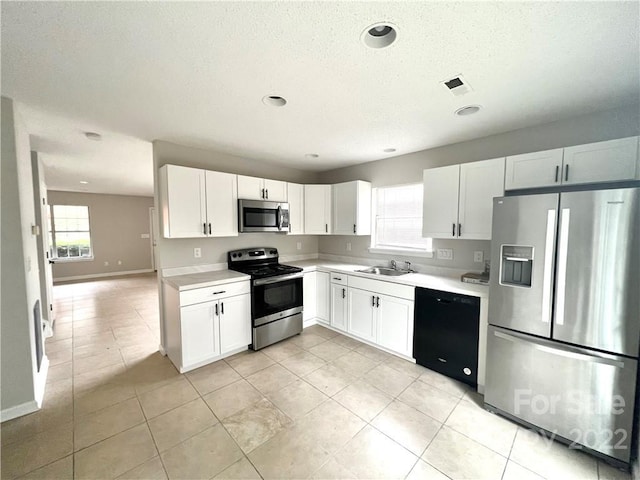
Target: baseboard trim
point(18, 411)
point(101, 275)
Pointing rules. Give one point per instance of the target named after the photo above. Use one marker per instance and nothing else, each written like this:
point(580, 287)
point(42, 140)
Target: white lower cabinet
point(339, 312)
point(199, 329)
point(309, 296)
point(323, 299)
point(395, 324)
point(362, 314)
point(204, 325)
point(235, 332)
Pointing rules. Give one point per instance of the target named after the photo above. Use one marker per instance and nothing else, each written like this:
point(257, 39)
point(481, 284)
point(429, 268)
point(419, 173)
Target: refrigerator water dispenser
point(516, 265)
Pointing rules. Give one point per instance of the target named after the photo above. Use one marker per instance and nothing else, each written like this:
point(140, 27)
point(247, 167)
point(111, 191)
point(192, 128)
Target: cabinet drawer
point(381, 287)
point(199, 295)
point(339, 278)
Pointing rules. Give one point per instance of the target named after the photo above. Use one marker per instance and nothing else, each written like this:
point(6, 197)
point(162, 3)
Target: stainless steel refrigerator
point(564, 315)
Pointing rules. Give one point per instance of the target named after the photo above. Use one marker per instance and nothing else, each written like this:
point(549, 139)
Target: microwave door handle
point(279, 219)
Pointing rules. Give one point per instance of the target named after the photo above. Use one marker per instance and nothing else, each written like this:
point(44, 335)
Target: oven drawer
point(199, 295)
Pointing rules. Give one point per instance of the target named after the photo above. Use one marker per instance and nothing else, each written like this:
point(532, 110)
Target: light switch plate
point(299, 246)
point(348, 246)
point(445, 254)
point(478, 256)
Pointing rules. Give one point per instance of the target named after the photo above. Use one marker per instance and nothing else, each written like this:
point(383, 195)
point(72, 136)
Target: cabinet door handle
point(557, 172)
point(326, 228)
point(218, 292)
point(204, 228)
point(453, 229)
point(266, 191)
point(566, 172)
point(216, 309)
point(209, 228)
point(337, 278)
point(459, 229)
point(222, 308)
point(354, 228)
point(377, 302)
point(343, 293)
point(262, 194)
point(373, 300)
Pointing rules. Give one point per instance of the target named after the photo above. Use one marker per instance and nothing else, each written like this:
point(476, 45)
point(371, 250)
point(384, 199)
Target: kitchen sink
point(390, 272)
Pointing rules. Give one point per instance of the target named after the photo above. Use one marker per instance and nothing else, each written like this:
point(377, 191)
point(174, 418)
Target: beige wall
point(179, 252)
point(606, 125)
point(117, 223)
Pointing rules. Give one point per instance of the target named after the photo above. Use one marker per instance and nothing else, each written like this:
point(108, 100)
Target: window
point(398, 219)
point(69, 235)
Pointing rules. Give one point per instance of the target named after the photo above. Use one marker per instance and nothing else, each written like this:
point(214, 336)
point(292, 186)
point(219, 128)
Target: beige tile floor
point(319, 405)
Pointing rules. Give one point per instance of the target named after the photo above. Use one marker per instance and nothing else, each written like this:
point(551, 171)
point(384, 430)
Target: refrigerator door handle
point(548, 265)
point(563, 353)
point(562, 265)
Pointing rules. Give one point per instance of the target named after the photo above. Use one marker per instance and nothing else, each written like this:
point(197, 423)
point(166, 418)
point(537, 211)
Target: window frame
point(427, 252)
point(53, 249)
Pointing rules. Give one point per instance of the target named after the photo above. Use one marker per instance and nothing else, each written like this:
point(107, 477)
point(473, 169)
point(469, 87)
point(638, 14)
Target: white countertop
point(204, 279)
point(436, 282)
point(447, 283)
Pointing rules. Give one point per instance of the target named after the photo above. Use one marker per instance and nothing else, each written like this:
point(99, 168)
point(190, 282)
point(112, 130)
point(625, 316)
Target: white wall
point(403, 169)
point(22, 387)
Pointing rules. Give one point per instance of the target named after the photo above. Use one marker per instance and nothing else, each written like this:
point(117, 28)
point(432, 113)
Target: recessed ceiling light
point(311, 155)
point(468, 110)
point(389, 150)
point(84, 182)
point(93, 136)
point(379, 35)
point(274, 101)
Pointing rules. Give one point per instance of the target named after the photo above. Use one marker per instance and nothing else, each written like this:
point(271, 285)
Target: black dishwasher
point(445, 335)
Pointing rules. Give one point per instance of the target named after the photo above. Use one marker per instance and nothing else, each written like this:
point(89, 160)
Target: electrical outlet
point(106, 264)
point(299, 246)
point(119, 262)
point(144, 235)
point(445, 254)
point(348, 246)
point(478, 256)
point(197, 252)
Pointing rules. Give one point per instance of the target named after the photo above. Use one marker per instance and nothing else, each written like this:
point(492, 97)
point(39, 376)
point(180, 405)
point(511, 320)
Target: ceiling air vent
point(457, 85)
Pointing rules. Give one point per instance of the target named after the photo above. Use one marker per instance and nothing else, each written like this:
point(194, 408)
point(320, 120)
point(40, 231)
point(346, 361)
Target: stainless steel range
point(276, 294)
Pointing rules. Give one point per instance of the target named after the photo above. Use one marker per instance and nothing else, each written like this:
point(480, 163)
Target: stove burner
point(260, 266)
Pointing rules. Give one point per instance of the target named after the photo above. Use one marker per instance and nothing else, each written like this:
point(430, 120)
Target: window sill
point(400, 251)
point(72, 259)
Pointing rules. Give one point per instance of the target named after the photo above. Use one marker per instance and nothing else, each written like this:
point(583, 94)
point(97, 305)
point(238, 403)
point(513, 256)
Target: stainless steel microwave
point(259, 216)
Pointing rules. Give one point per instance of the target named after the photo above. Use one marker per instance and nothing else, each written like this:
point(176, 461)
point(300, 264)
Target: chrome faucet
point(393, 265)
point(407, 266)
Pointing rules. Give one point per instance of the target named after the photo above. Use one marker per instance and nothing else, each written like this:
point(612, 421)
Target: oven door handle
point(279, 278)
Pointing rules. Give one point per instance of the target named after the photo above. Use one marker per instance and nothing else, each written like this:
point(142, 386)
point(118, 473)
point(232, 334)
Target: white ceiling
point(195, 73)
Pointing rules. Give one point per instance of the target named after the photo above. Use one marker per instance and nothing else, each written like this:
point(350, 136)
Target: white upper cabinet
point(479, 183)
point(197, 203)
point(317, 209)
point(458, 199)
point(183, 202)
point(352, 208)
point(254, 188)
point(222, 204)
point(531, 170)
point(295, 194)
point(610, 161)
point(440, 207)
